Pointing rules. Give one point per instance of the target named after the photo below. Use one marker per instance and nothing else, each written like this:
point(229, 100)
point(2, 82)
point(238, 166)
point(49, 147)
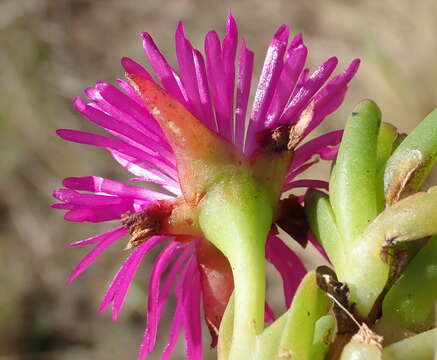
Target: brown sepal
point(292, 219)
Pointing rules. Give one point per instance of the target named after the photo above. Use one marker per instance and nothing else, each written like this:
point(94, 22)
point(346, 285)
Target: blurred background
point(50, 50)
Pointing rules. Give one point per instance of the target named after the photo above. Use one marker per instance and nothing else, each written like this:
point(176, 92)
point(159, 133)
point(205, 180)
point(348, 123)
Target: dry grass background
point(52, 49)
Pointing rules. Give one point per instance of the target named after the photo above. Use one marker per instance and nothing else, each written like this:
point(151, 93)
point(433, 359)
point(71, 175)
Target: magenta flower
point(215, 90)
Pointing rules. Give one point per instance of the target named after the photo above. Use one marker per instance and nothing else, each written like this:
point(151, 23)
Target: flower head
point(165, 134)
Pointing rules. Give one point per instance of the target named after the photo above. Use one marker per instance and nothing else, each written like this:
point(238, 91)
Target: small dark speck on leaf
point(354, 113)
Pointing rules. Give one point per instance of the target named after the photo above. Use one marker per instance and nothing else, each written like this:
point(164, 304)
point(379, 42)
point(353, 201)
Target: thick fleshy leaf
point(353, 180)
point(418, 347)
point(411, 218)
point(309, 304)
point(323, 335)
point(410, 303)
point(419, 150)
point(322, 222)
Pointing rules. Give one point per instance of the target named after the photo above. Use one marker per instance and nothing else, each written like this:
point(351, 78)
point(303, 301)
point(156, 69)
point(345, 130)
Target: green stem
point(235, 215)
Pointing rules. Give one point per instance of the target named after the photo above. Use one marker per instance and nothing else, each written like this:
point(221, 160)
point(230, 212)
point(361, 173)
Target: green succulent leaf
point(226, 331)
point(267, 344)
point(410, 303)
point(414, 217)
point(353, 180)
point(386, 139)
point(309, 304)
point(323, 335)
point(410, 164)
point(418, 347)
point(322, 222)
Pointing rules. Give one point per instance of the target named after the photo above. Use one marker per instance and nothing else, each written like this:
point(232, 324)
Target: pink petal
point(100, 185)
point(129, 108)
point(316, 244)
point(187, 71)
point(302, 98)
point(228, 57)
point(130, 271)
point(110, 144)
point(288, 264)
point(304, 152)
point(332, 95)
point(269, 315)
point(244, 79)
point(97, 238)
point(217, 82)
point(98, 249)
point(266, 87)
point(175, 331)
point(132, 67)
point(89, 200)
point(147, 173)
point(192, 312)
point(99, 214)
point(287, 81)
point(203, 86)
point(162, 69)
point(319, 184)
point(297, 171)
point(153, 308)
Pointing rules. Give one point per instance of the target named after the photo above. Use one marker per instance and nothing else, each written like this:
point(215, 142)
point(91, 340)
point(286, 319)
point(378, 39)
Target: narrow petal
point(86, 138)
point(147, 173)
point(287, 263)
point(332, 95)
point(266, 87)
point(244, 80)
point(131, 269)
point(132, 67)
point(153, 307)
point(203, 86)
point(269, 315)
point(229, 53)
point(287, 82)
point(99, 213)
point(217, 82)
point(100, 185)
point(175, 331)
point(315, 146)
point(98, 249)
point(141, 138)
point(162, 69)
point(297, 171)
point(318, 184)
point(303, 97)
point(97, 238)
point(192, 320)
point(187, 71)
point(91, 200)
point(130, 108)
